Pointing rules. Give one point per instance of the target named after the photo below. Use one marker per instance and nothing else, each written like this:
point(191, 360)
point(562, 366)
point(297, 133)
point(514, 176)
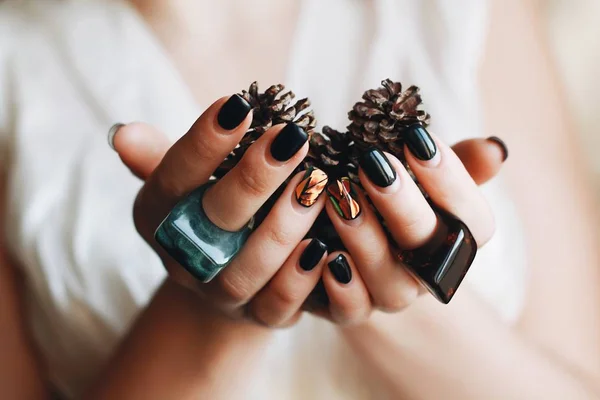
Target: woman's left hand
point(369, 275)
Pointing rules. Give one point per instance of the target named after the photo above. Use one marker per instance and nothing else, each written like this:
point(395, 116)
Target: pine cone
point(269, 108)
point(378, 121)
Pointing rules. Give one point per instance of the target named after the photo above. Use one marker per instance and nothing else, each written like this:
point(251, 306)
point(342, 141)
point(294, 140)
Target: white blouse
point(69, 69)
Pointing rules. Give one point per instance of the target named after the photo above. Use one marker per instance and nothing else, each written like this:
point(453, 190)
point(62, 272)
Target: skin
point(553, 351)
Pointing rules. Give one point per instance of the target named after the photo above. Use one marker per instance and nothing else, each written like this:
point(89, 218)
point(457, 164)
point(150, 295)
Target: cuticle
point(391, 189)
point(223, 132)
point(430, 163)
point(354, 222)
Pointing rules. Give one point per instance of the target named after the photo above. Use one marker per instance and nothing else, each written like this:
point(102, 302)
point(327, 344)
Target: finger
point(390, 285)
point(236, 197)
point(349, 302)
point(280, 300)
point(140, 146)
point(408, 216)
point(482, 158)
point(191, 160)
point(267, 248)
point(449, 185)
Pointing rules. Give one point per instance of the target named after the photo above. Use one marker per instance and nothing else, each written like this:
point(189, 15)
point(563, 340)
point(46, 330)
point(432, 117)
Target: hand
point(266, 275)
point(370, 275)
point(267, 268)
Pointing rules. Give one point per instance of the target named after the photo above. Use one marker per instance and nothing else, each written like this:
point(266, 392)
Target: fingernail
point(340, 269)
point(420, 143)
point(287, 143)
point(502, 145)
point(233, 112)
point(378, 168)
point(312, 254)
point(112, 132)
point(344, 198)
point(310, 188)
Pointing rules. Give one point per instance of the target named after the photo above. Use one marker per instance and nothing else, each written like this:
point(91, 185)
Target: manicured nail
point(344, 198)
point(312, 254)
point(287, 143)
point(233, 112)
point(340, 269)
point(502, 145)
point(378, 168)
point(112, 132)
point(310, 188)
point(420, 143)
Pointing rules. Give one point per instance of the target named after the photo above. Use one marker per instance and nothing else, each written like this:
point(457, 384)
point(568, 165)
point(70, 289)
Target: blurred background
point(573, 29)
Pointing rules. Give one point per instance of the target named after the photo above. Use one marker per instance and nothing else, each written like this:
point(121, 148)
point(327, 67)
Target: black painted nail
point(288, 142)
point(340, 269)
point(233, 112)
point(378, 168)
point(502, 145)
point(420, 143)
point(312, 254)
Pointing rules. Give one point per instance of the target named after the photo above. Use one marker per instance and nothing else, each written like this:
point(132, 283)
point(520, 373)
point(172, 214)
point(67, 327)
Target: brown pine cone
point(269, 108)
point(377, 121)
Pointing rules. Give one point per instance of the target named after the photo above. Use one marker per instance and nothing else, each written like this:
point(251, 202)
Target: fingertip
point(482, 158)
point(140, 146)
point(229, 116)
point(233, 112)
point(135, 136)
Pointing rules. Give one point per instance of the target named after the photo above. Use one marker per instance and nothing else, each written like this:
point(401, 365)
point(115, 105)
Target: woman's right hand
point(267, 270)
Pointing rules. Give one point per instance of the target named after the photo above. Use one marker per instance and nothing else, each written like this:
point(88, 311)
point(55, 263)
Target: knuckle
point(233, 291)
point(352, 317)
point(291, 321)
point(415, 224)
point(280, 236)
point(252, 178)
point(203, 147)
point(169, 187)
point(398, 298)
point(275, 305)
point(284, 298)
point(266, 317)
point(352, 313)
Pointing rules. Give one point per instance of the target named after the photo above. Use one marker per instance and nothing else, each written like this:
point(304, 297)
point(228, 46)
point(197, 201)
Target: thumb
point(140, 146)
point(482, 158)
